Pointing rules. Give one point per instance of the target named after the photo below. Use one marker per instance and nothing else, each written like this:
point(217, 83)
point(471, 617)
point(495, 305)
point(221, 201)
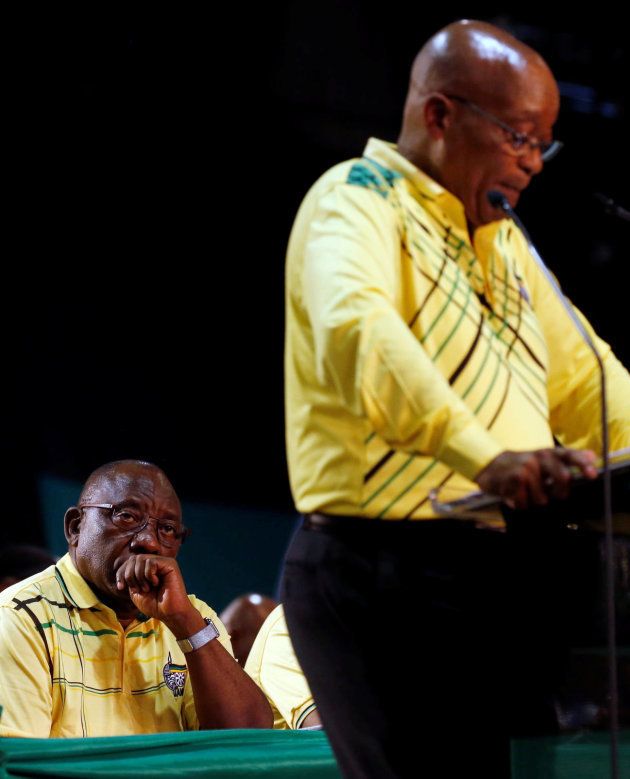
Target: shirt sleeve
point(25, 678)
point(282, 679)
point(363, 346)
point(574, 379)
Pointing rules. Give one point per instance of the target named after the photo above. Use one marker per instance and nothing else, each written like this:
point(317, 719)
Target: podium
point(567, 537)
point(581, 705)
point(582, 509)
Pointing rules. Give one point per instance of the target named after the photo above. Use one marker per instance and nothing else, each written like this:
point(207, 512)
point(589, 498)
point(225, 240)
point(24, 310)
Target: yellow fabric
point(272, 664)
point(413, 358)
point(80, 673)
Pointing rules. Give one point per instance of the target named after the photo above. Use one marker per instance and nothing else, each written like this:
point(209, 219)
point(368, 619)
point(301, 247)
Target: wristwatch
point(200, 638)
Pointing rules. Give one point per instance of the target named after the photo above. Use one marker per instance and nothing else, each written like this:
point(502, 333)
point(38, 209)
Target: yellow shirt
point(272, 664)
point(413, 358)
point(69, 669)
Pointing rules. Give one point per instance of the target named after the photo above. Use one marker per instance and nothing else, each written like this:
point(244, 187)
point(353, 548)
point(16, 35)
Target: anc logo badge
point(175, 676)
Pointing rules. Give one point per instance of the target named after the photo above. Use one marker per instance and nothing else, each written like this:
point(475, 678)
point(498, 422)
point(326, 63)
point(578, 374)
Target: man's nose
point(531, 160)
point(146, 539)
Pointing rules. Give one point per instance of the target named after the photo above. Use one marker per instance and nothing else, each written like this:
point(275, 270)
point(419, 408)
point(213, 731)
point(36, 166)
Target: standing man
point(108, 642)
point(425, 350)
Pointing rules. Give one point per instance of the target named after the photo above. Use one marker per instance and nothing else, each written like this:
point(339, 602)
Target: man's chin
point(114, 598)
point(490, 214)
point(486, 218)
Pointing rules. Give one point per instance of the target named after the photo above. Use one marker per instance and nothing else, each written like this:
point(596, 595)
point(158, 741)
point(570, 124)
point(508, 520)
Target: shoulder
point(348, 186)
point(272, 629)
point(275, 622)
point(202, 607)
point(258, 653)
point(36, 588)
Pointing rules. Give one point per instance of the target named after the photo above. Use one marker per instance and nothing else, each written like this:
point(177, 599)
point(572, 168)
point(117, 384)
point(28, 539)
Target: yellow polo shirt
point(413, 356)
point(69, 669)
point(272, 664)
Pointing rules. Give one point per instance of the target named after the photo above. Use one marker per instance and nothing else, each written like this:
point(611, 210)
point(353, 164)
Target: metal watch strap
point(200, 638)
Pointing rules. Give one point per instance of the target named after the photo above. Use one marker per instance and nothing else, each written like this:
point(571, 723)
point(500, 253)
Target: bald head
point(466, 63)
point(473, 58)
point(243, 618)
point(121, 472)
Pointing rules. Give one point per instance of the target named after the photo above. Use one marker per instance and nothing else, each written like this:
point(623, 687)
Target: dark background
point(155, 161)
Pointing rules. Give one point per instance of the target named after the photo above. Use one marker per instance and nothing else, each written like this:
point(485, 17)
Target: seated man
point(272, 664)
point(243, 617)
point(103, 643)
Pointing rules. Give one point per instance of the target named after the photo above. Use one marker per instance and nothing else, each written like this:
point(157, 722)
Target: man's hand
point(157, 589)
point(225, 696)
point(524, 479)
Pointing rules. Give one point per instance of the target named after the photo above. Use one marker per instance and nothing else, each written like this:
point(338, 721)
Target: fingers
point(525, 479)
point(555, 473)
point(583, 459)
point(140, 573)
point(515, 477)
point(559, 467)
point(522, 486)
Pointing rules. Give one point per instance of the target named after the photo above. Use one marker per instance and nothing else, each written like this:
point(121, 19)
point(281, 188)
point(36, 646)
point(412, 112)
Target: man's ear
point(72, 525)
point(437, 114)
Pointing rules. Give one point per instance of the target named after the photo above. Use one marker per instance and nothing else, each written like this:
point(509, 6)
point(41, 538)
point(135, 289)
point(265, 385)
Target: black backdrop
point(154, 162)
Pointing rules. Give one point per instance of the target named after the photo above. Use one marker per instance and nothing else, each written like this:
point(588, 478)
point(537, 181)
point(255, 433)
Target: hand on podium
point(525, 479)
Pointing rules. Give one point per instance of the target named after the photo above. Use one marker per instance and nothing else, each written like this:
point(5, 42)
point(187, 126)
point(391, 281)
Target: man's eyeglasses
point(516, 142)
point(132, 520)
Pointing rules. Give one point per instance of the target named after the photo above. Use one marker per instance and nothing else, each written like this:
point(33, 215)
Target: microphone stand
point(498, 200)
point(610, 207)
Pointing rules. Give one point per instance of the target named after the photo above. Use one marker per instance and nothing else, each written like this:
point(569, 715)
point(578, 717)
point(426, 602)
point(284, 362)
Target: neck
point(415, 149)
point(126, 612)
point(124, 609)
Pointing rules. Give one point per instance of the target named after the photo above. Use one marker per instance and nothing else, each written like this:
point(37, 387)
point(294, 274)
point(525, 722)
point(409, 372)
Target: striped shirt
point(413, 356)
point(69, 669)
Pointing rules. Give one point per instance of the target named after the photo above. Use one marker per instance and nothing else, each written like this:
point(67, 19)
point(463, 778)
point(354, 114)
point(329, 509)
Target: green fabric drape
point(219, 753)
point(575, 756)
point(276, 754)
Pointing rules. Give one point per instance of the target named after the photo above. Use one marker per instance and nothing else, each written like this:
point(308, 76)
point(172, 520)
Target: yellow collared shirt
point(413, 358)
point(69, 669)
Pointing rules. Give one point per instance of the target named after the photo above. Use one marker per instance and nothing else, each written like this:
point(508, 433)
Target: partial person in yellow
point(272, 664)
point(107, 641)
point(243, 617)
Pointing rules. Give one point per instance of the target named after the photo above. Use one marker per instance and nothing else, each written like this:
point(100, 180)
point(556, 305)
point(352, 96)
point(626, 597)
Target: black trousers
point(427, 645)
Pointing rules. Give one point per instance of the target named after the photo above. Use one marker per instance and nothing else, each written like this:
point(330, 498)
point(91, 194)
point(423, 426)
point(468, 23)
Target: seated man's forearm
point(225, 696)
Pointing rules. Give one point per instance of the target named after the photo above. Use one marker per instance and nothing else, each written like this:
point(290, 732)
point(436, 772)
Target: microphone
point(499, 201)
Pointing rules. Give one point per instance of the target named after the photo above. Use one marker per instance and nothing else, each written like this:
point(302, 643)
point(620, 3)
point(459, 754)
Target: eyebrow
point(524, 116)
point(138, 504)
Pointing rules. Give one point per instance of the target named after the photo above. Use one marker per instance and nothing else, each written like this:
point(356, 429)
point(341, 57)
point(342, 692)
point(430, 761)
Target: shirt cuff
point(303, 714)
point(469, 451)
